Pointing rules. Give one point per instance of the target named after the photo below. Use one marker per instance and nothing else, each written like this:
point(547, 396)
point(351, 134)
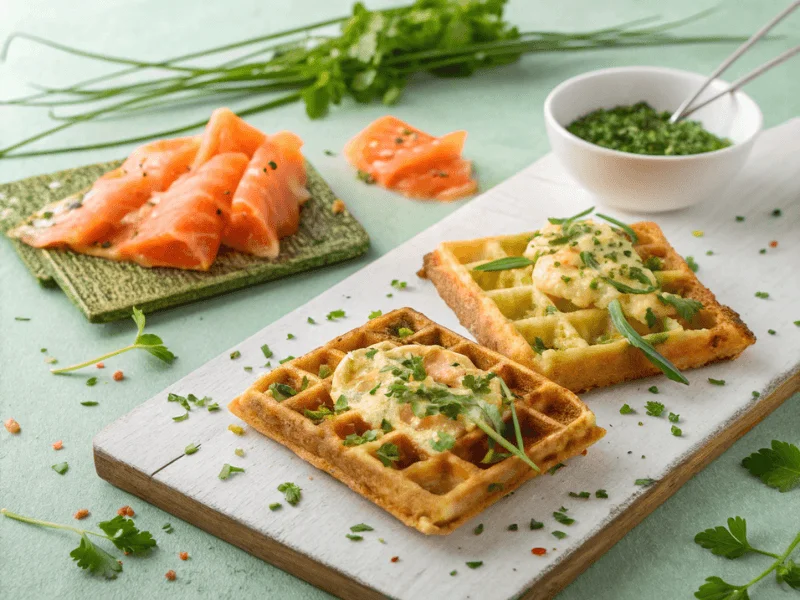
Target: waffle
point(507, 313)
point(434, 492)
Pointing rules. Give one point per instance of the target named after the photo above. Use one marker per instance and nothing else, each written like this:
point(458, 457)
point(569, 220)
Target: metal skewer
point(681, 112)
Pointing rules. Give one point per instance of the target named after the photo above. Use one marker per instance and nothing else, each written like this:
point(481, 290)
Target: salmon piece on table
point(183, 227)
point(398, 156)
point(226, 132)
point(266, 205)
point(89, 218)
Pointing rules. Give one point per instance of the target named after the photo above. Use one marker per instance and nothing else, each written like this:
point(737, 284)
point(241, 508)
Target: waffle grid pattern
point(433, 492)
point(508, 313)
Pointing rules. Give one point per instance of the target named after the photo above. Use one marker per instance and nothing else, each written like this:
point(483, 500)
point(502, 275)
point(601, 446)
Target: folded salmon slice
point(182, 227)
point(398, 156)
point(226, 132)
point(266, 205)
point(88, 218)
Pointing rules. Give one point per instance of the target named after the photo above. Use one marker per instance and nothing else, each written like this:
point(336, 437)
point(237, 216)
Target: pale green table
point(502, 112)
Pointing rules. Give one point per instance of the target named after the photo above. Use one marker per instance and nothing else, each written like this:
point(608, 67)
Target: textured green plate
point(106, 290)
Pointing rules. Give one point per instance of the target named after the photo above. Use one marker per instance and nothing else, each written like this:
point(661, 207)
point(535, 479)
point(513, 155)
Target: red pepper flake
point(12, 426)
point(183, 555)
point(81, 514)
point(58, 445)
point(395, 558)
point(118, 376)
point(170, 575)
point(126, 511)
point(773, 244)
point(100, 365)
point(539, 551)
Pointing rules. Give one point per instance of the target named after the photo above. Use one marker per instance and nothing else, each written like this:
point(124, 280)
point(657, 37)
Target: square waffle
point(507, 313)
point(434, 492)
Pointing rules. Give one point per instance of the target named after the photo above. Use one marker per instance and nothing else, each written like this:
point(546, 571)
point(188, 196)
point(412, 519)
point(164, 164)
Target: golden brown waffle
point(433, 492)
point(506, 312)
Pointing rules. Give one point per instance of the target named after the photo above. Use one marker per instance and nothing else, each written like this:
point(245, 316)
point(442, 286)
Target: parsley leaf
point(281, 391)
point(361, 527)
point(474, 564)
point(559, 534)
point(354, 538)
point(291, 491)
point(399, 285)
point(443, 442)
point(60, 468)
point(335, 314)
point(534, 525)
point(354, 439)
point(538, 345)
point(778, 466)
point(730, 543)
point(478, 530)
point(388, 454)
point(124, 534)
point(653, 408)
point(625, 409)
point(788, 573)
point(686, 308)
point(562, 518)
point(601, 494)
point(96, 560)
point(717, 589)
point(375, 314)
point(341, 405)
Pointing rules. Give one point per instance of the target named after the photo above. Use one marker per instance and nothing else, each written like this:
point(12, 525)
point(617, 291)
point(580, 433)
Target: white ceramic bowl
point(644, 183)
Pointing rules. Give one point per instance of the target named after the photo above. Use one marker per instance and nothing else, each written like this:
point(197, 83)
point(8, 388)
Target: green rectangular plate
point(106, 290)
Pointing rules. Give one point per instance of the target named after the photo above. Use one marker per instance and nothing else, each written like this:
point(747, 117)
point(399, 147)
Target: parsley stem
point(779, 561)
point(765, 553)
point(32, 521)
point(506, 444)
point(93, 361)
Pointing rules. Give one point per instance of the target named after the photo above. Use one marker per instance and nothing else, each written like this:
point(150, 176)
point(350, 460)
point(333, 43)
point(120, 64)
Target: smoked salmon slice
point(398, 156)
point(88, 218)
point(183, 226)
point(266, 205)
point(226, 132)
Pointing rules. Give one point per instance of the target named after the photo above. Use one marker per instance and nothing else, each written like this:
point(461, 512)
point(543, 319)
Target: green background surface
point(502, 112)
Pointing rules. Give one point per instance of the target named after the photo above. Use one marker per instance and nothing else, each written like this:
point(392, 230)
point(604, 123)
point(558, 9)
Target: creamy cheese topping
point(578, 263)
point(397, 385)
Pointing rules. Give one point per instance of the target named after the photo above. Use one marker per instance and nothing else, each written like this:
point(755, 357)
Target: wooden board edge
point(230, 530)
point(592, 549)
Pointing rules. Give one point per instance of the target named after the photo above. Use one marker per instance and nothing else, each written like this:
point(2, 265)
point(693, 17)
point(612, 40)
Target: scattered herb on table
point(562, 518)
point(676, 431)
point(534, 525)
point(653, 408)
point(404, 332)
point(168, 528)
point(640, 129)
point(361, 527)
point(762, 295)
point(228, 470)
point(91, 382)
point(559, 534)
point(739, 218)
point(474, 564)
point(399, 285)
point(716, 381)
point(512, 527)
point(60, 468)
point(266, 351)
point(22, 318)
point(674, 418)
point(89, 403)
point(777, 212)
point(601, 494)
point(625, 409)
point(335, 314)
point(478, 530)
point(552, 470)
point(236, 429)
point(291, 491)
point(290, 336)
point(583, 495)
point(353, 537)
point(275, 506)
point(149, 342)
point(120, 531)
point(235, 354)
point(777, 466)
point(653, 389)
point(644, 482)
point(191, 449)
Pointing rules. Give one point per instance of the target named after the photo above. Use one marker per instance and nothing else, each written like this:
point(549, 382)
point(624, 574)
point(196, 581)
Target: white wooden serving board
point(143, 451)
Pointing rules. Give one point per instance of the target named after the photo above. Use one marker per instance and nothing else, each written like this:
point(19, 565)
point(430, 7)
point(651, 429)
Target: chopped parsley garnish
point(388, 454)
point(89, 403)
point(562, 518)
point(625, 409)
point(281, 391)
point(601, 494)
point(91, 381)
point(180, 418)
point(443, 442)
point(290, 336)
point(168, 528)
point(778, 466)
point(716, 381)
point(386, 427)
point(228, 470)
point(739, 218)
point(399, 285)
point(291, 492)
point(676, 431)
point(552, 470)
point(653, 408)
point(235, 354)
point(777, 212)
point(404, 332)
point(335, 314)
point(644, 482)
point(319, 414)
point(534, 525)
point(311, 321)
point(685, 307)
point(191, 449)
point(480, 384)
point(692, 264)
point(654, 263)
point(579, 495)
point(478, 530)
point(559, 534)
point(762, 295)
point(60, 468)
point(275, 506)
point(324, 371)
point(375, 314)
point(771, 331)
point(370, 354)
point(361, 527)
point(474, 564)
point(653, 389)
point(354, 538)
point(512, 527)
point(495, 487)
point(354, 439)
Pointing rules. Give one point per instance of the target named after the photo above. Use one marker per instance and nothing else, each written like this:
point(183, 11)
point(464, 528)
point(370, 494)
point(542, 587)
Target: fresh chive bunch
point(372, 57)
